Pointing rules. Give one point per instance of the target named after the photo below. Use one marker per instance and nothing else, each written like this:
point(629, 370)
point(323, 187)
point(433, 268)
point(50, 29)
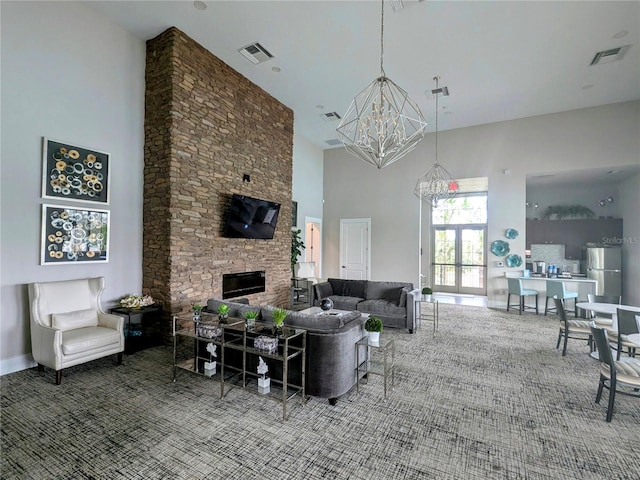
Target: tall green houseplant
point(297, 245)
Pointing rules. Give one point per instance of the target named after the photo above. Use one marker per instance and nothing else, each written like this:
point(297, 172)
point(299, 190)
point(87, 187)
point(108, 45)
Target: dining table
point(610, 309)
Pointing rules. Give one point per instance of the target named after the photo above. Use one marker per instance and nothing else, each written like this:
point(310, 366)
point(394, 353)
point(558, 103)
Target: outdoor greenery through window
point(459, 231)
point(461, 210)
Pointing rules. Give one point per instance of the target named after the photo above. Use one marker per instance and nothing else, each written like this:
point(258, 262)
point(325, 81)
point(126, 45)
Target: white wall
point(308, 163)
point(630, 206)
point(70, 75)
point(587, 138)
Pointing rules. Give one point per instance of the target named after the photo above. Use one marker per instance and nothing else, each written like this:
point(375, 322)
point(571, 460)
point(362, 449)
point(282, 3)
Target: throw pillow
point(323, 290)
point(73, 320)
point(393, 295)
point(403, 297)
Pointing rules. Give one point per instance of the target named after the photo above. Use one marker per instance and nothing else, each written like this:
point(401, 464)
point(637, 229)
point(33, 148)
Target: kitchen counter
point(573, 279)
point(582, 285)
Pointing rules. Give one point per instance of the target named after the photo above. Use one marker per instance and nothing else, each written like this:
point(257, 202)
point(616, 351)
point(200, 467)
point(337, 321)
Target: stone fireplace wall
point(205, 127)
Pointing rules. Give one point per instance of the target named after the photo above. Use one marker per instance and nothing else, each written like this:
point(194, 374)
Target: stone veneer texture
point(205, 126)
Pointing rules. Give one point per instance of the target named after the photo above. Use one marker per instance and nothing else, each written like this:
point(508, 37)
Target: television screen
point(251, 218)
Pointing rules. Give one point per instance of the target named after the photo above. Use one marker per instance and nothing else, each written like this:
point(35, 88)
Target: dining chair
point(622, 377)
point(574, 329)
point(515, 288)
point(627, 325)
point(556, 288)
point(603, 319)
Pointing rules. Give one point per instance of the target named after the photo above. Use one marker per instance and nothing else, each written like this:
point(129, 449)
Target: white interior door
point(313, 243)
point(355, 251)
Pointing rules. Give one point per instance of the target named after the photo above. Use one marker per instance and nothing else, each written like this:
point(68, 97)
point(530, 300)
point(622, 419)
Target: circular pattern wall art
point(511, 233)
point(500, 248)
point(513, 260)
point(74, 235)
point(74, 173)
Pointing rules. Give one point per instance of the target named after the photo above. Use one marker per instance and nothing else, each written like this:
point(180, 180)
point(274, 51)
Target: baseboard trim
point(15, 364)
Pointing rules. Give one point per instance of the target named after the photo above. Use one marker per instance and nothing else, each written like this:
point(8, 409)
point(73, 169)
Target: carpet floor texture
point(487, 397)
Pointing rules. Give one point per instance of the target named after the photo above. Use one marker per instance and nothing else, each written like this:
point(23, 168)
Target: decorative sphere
point(326, 304)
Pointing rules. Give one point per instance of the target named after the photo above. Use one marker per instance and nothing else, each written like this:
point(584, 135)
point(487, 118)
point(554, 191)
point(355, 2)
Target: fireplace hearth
point(243, 283)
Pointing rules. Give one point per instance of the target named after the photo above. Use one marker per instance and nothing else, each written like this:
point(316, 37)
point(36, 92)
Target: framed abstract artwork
point(74, 235)
point(75, 173)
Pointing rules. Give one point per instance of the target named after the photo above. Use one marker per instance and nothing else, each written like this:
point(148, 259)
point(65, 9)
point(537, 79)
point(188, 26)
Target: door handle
point(343, 266)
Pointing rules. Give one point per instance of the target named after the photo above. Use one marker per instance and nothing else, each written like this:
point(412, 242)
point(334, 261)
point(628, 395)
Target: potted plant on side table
point(426, 294)
point(279, 314)
point(250, 317)
point(223, 313)
point(373, 326)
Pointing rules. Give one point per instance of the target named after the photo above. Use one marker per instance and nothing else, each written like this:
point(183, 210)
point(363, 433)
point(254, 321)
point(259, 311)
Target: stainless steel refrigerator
point(604, 264)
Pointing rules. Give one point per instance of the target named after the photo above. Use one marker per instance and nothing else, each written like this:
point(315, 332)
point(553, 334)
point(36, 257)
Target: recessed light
point(319, 107)
point(587, 87)
point(620, 34)
point(276, 69)
point(200, 5)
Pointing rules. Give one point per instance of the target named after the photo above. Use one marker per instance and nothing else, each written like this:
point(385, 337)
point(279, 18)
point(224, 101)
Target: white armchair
point(68, 325)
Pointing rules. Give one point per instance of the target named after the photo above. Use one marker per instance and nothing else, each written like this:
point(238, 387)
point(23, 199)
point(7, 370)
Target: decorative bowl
point(513, 260)
point(511, 233)
point(500, 248)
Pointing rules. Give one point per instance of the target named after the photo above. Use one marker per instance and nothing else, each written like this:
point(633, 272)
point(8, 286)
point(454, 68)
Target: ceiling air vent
point(611, 55)
point(330, 117)
point(333, 142)
point(255, 53)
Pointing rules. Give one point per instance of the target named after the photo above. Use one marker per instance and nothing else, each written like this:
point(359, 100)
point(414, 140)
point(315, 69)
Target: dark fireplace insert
point(243, 283)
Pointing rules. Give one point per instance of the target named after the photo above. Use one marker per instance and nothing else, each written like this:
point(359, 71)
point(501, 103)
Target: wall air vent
point(611, 55)
point(330, 117)
point(255, 53)
point(333, 142)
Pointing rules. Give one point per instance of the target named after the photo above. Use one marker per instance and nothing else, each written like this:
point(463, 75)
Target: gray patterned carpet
point(488, 397)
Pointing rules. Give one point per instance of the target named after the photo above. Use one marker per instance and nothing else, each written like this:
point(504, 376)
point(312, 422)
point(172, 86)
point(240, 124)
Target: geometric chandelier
point(437, 184)
point(382, 123)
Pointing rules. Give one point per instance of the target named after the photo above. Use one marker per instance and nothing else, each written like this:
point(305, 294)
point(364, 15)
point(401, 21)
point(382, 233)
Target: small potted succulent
point(223, 313)
point(250, 317)
point(426, 294)
point(279, 314)
point(197, 311)
point(373, 326)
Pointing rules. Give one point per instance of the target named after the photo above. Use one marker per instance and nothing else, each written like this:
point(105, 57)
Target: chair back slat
point(613, 299)
point(602, 344)
point(560, 309)
point(627, 324)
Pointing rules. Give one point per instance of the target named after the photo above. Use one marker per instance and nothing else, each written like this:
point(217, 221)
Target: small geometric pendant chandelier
point(437, 184)
point(382, 123)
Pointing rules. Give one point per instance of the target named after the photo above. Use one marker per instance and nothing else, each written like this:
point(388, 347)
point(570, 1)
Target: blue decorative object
point(513, 260)
point(500, 248)
point(326, 304)
point(511, 233)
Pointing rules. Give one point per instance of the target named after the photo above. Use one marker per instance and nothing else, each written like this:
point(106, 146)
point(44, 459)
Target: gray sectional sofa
point(392, 302)
point(330, 349)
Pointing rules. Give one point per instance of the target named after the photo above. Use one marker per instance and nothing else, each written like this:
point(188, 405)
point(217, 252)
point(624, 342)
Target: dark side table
point(142, 327)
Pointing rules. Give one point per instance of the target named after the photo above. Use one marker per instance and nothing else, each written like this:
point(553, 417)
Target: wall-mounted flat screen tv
point(251, 218)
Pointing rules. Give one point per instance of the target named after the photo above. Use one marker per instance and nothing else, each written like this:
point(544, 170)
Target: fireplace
point(244, 283)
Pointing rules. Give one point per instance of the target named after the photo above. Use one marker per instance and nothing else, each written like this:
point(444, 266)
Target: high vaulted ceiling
point(500, 60)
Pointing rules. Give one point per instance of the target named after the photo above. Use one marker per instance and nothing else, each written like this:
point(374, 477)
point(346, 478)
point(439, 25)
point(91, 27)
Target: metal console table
point(237, 357)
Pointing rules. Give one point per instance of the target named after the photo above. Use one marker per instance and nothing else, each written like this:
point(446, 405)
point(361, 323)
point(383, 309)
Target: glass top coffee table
point(333, 311)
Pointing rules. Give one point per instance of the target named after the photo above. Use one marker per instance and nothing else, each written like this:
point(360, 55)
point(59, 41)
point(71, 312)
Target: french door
point(459, 263)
